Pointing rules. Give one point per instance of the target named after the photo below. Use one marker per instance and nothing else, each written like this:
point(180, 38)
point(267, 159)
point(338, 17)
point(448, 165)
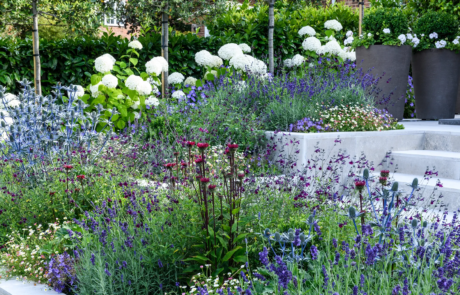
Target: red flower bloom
point(204, 180)
point(170, 165)
point(176, 153)
point(232, 146)
point(383, 180)
point(240, 175)
point(212, 187)
point(80, 177)
point(190, 143)
point(360, 185)
point(199, 160)
point(183, 164)
point(52, 193)
point(68, 167)
point(202, 145)
point(385, 173)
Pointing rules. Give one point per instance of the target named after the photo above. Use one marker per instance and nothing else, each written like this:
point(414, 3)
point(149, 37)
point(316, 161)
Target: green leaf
point(123, 65)
point(95, 79)
point(240, 237)
point(199, 83)
point(98, 100)
point(134, 61)
point(230, 253)
point(121, 124)
point(209, 77)
point(123, 110)
point(235, 211)
point(234, 226)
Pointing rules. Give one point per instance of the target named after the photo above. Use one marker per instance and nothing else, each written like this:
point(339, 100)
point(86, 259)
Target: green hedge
point(250, 25)
point(72, 61)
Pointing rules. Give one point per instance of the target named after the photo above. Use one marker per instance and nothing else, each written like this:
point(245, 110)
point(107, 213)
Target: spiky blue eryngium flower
point(37, 127)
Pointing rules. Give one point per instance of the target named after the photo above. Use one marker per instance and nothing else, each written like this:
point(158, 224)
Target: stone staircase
point(440, 152)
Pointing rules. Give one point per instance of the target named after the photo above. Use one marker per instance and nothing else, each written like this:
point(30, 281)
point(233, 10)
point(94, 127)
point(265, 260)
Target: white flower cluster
point(212, 72)
point(386, 31)
point(152, 101)
point(247, 63)
point(95, 90)
point(307, 31)
point(110, 81)
point(311, 44)
point(440, 44)
point(135, 44)
point(349, 40)
point(176, 78)
point(178, 94)
point(402, 38)
point(332, 47)
point(206, 59)
point(190, 81)
point(456, 40)
point(80, 91)
point(104, 63)
point(434, 35)
point(156, 65)
point(333, 25)
point(12, 100)
point(245, 47)
point(144, 88)
point(296, 61)
point(349, 34)
point(132, 82)
point(230, 50)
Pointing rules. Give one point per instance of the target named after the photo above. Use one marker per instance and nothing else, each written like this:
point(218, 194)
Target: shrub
point(442, 23)
point(385, 18)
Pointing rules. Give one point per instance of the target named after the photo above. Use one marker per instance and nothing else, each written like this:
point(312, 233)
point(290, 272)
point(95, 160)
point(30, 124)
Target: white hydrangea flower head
point(369, 35)
point(458, 37)
point(256, 66)
point(410, 36)
point(109, 56)
point(311, 44)
point(178, 94)
point(13, 103)
point(386, 31)
point(343, 55)
point(297, 60)
point(136, 105)
point(230, 50)
point(190, 81)
point(332, 47)
point(133, 81)
point(239, 62)
point(104, 63)
point(349, 34)
point(321, 50)
point(152, 101)
point(203, 57)
point(402, 38)
point(215, 61)
point(333, 25)
point(415, 41)
point(80, 91)
point(176, 78)
point(240, 86)
point(245, 47)
point(120, 96)
point(153, 81)
point(137, 115)
point(351, 55)
point(95, 90)
point(440, 44)
point(135, 44)
point(110, 81)
point(349, 40)
point(157, 65)
point(144, 88)
point(433, 35)
point(307, 30)
point(455, 41)
point(288, 63)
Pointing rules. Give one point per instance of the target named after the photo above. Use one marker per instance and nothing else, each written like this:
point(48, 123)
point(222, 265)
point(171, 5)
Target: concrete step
point(20, 287)
point(443, 140)
point(416, 162)
point(446, 195)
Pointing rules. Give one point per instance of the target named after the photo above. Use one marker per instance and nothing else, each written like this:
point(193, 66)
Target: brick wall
point(354, 3)
point(119, 31)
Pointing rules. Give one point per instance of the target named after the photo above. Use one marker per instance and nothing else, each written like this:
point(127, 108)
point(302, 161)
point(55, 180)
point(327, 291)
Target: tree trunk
point(164, 48)
point(361, 15)
point(36, 55)
point(271, 28)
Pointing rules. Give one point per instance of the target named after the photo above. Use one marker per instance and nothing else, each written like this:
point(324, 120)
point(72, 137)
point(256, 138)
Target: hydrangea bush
point(438, 30)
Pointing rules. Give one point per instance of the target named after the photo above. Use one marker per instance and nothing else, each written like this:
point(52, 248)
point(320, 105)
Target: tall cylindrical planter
point(436, 74)
point(458, 97)
point(391, 64)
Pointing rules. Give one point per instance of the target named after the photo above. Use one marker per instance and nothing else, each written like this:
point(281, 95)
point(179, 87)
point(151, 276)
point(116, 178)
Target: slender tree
point(271, 28)
point(36, 51)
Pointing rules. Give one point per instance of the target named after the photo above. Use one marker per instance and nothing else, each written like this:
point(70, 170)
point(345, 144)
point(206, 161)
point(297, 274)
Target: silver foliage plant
point(38, 134)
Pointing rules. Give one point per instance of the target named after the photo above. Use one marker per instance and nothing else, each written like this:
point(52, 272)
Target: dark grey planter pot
point(458, 97)
point(436, 74)
point(391, 64)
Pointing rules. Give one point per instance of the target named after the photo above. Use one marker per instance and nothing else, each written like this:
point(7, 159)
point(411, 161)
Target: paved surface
point(14, 287)
point(419, 125)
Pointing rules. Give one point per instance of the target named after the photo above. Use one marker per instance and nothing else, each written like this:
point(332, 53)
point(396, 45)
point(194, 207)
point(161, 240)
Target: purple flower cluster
point(61, 273)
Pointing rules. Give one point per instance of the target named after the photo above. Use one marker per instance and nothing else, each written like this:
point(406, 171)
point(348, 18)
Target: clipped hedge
point(245, 24)
point(72, 61)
